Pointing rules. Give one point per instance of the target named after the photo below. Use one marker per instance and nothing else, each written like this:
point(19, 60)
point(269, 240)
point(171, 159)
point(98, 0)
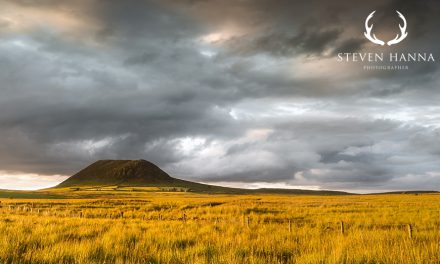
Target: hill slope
point(145, 173)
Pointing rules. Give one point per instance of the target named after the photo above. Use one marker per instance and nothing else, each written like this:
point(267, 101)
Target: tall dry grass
point(191, 228)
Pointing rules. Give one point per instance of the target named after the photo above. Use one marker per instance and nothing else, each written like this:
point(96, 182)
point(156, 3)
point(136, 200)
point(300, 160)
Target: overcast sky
point(243, 93)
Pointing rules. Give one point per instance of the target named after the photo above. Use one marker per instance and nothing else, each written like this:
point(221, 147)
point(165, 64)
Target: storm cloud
point(219, 91)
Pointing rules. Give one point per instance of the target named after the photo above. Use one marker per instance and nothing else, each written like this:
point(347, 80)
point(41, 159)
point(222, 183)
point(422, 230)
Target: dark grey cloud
point(350, 45)
point(307, 41)
point(245, 91)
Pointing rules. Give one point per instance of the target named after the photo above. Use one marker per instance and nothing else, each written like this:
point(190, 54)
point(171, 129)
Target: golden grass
point(152, 227)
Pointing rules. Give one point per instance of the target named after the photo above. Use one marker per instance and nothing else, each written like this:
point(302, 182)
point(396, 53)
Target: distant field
point(29, 195)
point(135, 225)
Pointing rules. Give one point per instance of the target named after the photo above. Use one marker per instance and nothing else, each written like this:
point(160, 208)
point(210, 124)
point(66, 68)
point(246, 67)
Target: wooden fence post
point(342, 227)
point(290, 226)
point(410, 230)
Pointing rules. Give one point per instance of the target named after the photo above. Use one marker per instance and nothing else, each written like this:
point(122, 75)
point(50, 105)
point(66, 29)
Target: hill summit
point(120, 172)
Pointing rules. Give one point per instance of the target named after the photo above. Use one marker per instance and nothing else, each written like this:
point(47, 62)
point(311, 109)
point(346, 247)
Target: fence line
point(247, 220)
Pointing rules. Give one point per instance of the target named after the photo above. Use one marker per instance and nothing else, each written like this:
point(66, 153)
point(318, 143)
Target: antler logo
point(375, 40)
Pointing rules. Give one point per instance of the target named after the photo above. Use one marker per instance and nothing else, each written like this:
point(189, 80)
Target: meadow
point(153, 226)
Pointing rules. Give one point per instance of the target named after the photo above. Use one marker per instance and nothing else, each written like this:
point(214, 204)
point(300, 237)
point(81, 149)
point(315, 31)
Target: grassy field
point(104, 225)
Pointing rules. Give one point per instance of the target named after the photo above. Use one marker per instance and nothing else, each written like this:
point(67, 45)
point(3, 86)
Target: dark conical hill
point(120, 172)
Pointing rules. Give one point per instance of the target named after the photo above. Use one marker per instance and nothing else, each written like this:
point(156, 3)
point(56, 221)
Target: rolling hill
point(142, 173)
